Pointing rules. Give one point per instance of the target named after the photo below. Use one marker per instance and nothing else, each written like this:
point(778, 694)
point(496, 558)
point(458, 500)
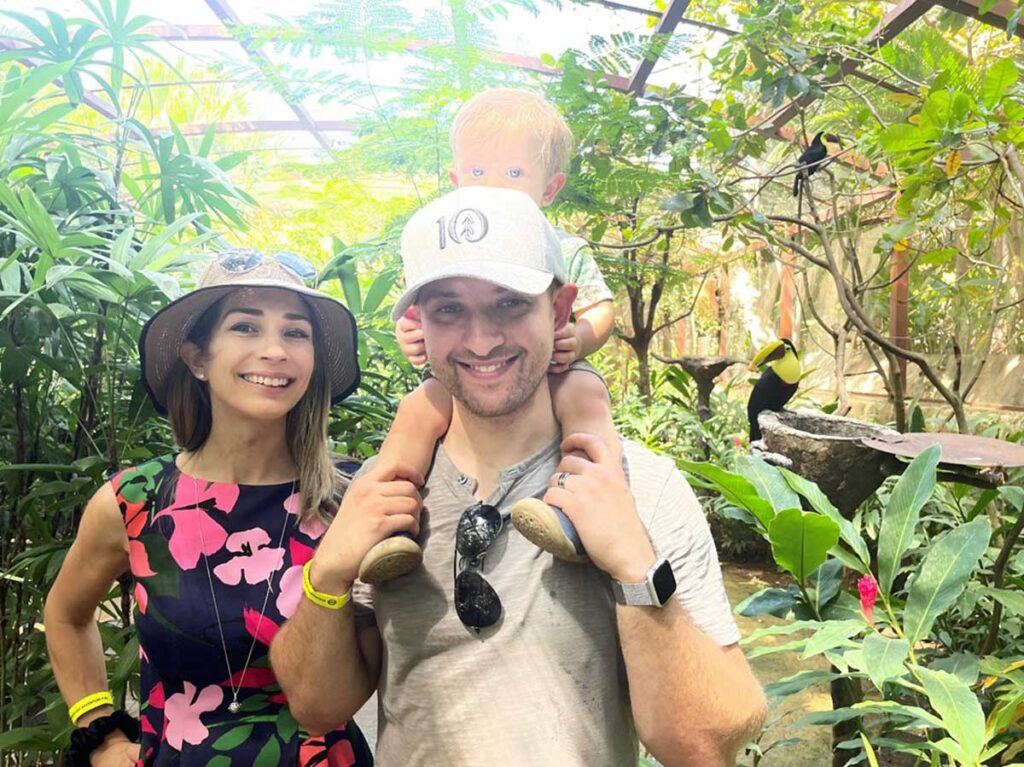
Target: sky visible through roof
point(552, 31)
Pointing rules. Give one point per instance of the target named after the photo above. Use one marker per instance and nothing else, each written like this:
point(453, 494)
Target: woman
point(246, 368)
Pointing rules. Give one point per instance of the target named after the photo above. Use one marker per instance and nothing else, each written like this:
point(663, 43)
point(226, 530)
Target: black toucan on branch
point(813, 158)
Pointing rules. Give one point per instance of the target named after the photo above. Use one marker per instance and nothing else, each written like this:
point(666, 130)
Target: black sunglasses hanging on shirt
point(476, 602)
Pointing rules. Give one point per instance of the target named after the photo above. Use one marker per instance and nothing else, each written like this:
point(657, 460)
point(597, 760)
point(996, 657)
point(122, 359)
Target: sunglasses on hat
point(242, 260)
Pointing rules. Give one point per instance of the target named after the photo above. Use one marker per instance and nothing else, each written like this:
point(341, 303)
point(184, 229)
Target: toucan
point(811, 159)
point(777, 384)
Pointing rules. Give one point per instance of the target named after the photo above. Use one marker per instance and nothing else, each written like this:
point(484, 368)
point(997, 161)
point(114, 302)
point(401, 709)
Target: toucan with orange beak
point(778, 383)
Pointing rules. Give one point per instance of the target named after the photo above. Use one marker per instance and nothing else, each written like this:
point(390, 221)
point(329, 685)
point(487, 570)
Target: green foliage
point(98, 229)
point(921, 653)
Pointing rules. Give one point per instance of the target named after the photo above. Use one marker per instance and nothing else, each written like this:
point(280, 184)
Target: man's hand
point(377, 504)
point(409, 332)
point(115, 751)
point(566, 349)
point(596, 497)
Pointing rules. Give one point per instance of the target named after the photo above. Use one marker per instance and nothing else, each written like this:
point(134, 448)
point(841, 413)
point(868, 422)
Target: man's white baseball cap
point(498, 235)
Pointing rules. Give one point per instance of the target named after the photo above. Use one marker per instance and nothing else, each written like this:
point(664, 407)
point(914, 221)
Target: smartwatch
point(654, 590)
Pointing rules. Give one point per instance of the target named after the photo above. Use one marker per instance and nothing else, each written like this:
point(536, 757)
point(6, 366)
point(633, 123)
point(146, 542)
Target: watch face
point(664, 581)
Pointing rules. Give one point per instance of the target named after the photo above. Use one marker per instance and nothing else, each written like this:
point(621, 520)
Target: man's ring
point(560, 481)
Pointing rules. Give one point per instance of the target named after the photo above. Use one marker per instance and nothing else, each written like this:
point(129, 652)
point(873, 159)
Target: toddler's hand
point(566, 349)
point(409, 332)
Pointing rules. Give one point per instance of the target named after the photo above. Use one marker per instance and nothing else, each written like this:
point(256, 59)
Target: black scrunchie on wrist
point(85, 740)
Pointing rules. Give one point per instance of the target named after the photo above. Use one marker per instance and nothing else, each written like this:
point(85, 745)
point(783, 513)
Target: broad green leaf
point(963, 665)
point(781, 630)
point(942, 576)
point(718, 135)
point(820, 503)
point(826, 582)
point(959, 708)
point(801, 540)
point(883, 657)
point(899, 521)
point(769, 601)
point(886, 708)
point(997, 82)
point(1012, 600)
point(901, 137)
point(736, 489)
point(797, 682)
point(832, 635)
point(797, 645)
point(1013, 495)
point(769, 483)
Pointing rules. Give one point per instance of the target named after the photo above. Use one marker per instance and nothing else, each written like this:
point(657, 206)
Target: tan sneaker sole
point(537, 522)
point(391, 558)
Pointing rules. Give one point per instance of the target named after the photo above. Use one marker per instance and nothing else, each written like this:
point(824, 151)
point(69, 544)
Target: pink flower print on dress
point(314, 528)
point(187, 543)
point(290, 588)
point(183, 712)
point(254, 559)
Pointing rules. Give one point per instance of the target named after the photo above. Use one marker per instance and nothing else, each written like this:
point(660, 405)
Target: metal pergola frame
point(773, 125)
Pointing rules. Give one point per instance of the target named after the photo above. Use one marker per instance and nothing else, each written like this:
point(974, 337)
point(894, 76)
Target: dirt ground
point(813, 751)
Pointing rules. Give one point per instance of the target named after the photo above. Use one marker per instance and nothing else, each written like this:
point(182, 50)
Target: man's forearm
point(321, 667)
point(694, 703)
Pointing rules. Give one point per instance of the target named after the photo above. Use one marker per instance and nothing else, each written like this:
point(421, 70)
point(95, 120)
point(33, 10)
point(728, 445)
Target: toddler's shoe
point(548, 528)
point(390, 558)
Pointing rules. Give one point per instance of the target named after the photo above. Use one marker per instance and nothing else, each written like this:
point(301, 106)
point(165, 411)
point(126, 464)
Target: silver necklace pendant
point(234, 706)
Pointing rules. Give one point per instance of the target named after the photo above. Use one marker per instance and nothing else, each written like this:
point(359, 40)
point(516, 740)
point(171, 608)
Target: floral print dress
point(174, 521)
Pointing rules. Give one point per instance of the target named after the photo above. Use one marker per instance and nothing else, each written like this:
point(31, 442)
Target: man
point(494, 652)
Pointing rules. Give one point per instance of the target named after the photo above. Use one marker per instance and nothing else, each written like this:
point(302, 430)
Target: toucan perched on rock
point(777, 384)
point(812, 159)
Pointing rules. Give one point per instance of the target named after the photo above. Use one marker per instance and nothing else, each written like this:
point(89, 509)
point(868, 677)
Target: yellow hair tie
point(330, 601)
point(89, 703)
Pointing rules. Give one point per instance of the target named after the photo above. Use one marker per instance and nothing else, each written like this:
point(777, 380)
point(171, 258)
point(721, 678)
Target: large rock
point(827, 450)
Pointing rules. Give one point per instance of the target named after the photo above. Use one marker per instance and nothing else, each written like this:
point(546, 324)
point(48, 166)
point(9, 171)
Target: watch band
point(659, 578)
point(633, 594)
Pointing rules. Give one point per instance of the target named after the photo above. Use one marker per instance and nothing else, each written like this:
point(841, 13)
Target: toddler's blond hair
point(504, 111)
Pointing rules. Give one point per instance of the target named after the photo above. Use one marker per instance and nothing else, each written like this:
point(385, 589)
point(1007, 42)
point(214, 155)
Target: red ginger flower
point(868, 588)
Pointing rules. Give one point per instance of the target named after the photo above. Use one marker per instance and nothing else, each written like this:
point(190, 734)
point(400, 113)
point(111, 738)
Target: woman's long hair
point(321, 485)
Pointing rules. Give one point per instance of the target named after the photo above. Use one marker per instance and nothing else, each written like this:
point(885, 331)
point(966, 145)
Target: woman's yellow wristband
point(89, 703)
point(330, 601)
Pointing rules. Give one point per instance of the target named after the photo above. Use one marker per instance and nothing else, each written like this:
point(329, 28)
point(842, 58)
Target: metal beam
point(230, 19)
point(895, 21)
point(268, 126)
point(200, 33)
point(214, 33)
point(669, 21)
point(997, 15)
point(623, 7)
